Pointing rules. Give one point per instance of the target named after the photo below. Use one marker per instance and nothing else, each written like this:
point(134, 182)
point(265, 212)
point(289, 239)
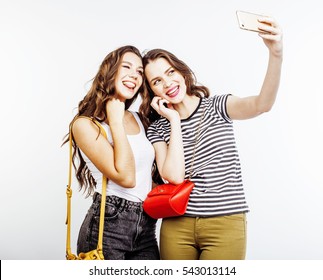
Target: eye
point(126, 66)
point(171, 72)
point(156, 82)
point(141, 73)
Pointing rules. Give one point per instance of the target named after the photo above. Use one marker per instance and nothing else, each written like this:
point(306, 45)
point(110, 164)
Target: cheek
point(181, 79)
point(140, 81)
point(120, 73)
point(183, 83)
point(157, 90)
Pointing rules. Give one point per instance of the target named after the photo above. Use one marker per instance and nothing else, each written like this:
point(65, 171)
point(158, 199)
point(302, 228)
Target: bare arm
point(252, 106)
point(170, 158)
point(117, 162)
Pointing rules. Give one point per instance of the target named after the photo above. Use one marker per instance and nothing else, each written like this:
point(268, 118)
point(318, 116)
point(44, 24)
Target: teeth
point(171, 92)
point(129, 84)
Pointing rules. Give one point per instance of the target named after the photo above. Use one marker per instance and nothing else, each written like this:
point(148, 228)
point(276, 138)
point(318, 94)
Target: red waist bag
point(168, 200)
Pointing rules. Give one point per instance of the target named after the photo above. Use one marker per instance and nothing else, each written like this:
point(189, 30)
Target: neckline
point(140, 128)
point(136, 119)
point(193, 113)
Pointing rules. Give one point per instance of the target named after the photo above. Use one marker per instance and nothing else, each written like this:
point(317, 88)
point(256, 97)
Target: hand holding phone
point(250, 21)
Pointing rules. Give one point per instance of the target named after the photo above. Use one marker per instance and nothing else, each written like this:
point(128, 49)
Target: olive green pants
point(214, 238)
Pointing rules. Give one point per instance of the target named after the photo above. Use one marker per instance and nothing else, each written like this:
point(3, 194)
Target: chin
point(178, 99)
point(128, 95)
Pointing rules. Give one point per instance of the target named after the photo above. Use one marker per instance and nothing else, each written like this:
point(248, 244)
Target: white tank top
point(144, 155)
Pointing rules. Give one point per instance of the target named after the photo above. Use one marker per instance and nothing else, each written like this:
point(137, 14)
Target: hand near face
point(164, 108)
point(115, 111)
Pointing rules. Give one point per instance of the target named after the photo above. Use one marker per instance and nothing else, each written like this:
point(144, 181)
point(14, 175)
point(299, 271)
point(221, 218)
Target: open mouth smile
point(129, 85)
point(173, 92)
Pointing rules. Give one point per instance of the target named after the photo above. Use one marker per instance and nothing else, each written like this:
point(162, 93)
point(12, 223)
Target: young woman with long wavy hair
point(125, 158)
point(214, 225)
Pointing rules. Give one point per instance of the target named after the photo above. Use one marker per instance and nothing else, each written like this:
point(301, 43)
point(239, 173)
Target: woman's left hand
point(164, 108)
point(272, 35)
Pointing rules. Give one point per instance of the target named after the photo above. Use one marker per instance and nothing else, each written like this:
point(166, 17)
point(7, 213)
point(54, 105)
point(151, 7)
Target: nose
point(167, 83)
point(133, 75)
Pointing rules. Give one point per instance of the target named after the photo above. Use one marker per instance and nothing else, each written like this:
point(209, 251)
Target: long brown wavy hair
point(190, 80)
point(94, 103)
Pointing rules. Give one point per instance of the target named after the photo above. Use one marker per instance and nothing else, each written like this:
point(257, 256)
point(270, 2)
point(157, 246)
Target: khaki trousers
point(211, 238)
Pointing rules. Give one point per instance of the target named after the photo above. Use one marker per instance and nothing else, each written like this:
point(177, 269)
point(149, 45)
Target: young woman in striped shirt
point(214, 225)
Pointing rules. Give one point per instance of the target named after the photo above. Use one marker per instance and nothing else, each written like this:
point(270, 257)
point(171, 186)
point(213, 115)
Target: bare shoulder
point(83, 126)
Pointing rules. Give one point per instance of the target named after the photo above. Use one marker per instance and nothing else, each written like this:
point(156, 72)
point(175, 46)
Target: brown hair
point(94, 105)
point(181, 67)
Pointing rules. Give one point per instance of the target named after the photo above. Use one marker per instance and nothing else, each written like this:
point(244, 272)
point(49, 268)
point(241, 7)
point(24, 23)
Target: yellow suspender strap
point(69, 194)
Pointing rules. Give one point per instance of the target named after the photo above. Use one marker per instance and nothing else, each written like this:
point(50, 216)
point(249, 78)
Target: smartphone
point(248, 21)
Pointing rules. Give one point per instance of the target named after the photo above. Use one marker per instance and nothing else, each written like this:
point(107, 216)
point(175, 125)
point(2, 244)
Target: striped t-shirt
point(216, 171)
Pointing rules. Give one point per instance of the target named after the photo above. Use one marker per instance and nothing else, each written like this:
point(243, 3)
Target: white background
point(49, 50)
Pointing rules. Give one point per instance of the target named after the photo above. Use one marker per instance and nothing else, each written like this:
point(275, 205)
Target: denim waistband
point(119, 202)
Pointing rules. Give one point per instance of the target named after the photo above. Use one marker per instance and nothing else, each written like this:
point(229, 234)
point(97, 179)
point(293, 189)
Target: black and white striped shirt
point(216, 172)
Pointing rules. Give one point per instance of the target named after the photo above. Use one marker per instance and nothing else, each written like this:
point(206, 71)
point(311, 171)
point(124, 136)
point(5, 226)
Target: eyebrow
point(164, 73)
point(129, 63)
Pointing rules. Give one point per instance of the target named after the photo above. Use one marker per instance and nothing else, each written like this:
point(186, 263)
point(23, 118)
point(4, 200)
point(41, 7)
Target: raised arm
point(252, 106)
point(117, 162)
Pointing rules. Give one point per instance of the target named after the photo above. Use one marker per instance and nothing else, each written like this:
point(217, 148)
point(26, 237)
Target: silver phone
point(249, 21)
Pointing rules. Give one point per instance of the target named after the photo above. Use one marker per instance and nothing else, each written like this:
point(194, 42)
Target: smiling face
point(129, 77)
point(165, 81)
